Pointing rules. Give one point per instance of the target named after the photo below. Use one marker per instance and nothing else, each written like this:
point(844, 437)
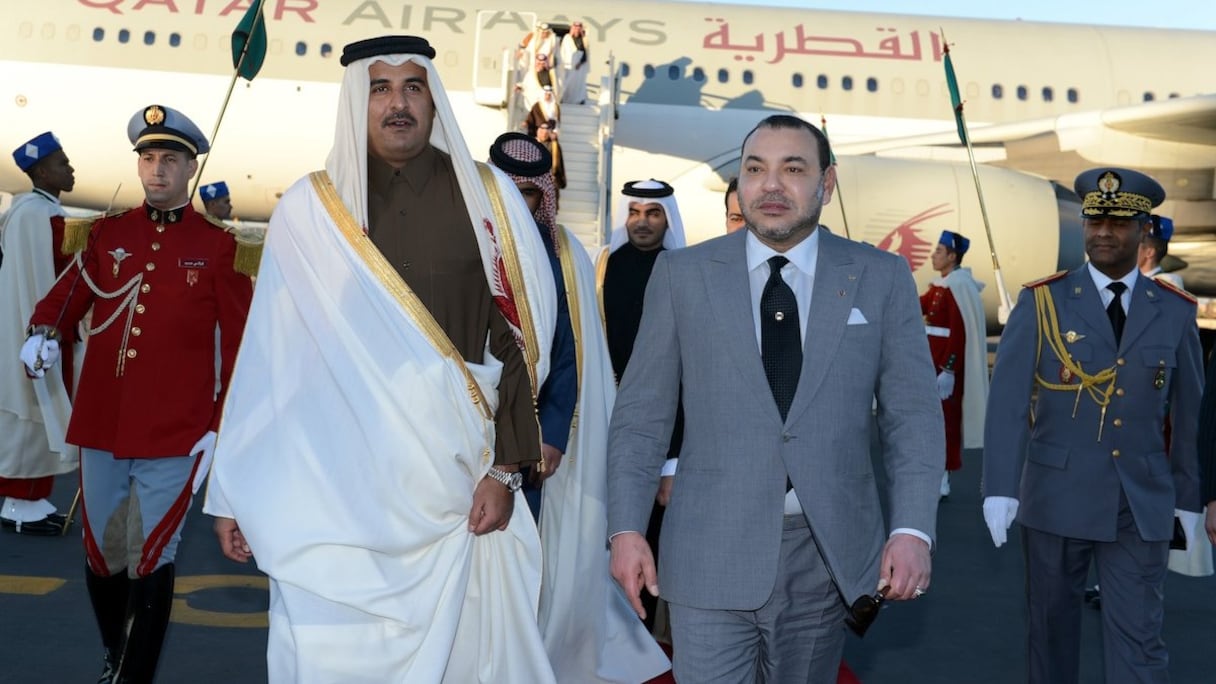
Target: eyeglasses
point(864, 611)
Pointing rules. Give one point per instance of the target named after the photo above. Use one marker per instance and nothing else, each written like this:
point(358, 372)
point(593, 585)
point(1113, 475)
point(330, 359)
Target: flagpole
point(256, 9)
point(823, 124)
point(1006, 304)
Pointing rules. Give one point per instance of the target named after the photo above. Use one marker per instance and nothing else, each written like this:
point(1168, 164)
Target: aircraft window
point(327, 50)
point(797, 80)
point(1023, 93)
point(648, 71)
point(73, 33)
point(847, 83)
point(922, 87)
point(99, 34)
point(624, 69)
point(748, 76)
point(175, 39)
point(200, 41)
point(723, 75)
point(698, 75)
point(1174, 96)
point(872, 84)
point(673, 73)
point(1149, 97)
point(1073, 95)
point(124, 36)
point(1048, 95)
point(998, 91)
point(973, 90)
point(822, 82)
point(897, 86)
point(301, 48)
point(149, 37)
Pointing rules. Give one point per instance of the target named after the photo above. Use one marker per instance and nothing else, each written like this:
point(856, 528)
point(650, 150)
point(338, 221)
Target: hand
point(1190, 521)
point(206, 445)
point(905, 567)
point(551, 458)
point(945, 385)
point(1210, 522)
point(493, 505)
point(633, 568)
point(39, 354)
point(999, 512)
point(664, 495)
point(232, 542)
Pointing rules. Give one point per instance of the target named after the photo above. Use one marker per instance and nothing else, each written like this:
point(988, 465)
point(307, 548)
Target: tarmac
point(969, 628)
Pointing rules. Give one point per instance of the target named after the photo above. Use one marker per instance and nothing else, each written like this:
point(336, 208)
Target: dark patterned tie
point(780, 338)
point(1114, 310)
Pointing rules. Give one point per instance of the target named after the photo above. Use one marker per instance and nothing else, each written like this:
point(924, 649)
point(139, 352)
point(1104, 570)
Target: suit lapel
point(726, 281)
point(837, 278)
point(1086, 301)
point(1144, 309)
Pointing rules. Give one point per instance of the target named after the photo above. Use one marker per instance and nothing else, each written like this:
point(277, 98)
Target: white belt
point(937, 331)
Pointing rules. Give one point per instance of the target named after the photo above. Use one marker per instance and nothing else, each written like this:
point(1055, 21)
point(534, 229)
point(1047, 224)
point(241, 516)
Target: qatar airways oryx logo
point(908, 238)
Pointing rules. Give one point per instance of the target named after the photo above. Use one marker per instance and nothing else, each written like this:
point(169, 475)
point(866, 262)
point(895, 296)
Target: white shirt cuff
point(915, 533)
point(669, 467)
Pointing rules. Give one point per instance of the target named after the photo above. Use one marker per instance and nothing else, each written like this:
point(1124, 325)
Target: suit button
point(131, 353)
point(145, 288)
point(1118, 422)
point(1120, 362)
point(1119, 392)
point(150, 266)
point(160, 229)
point(139, 308)
point(155, 246)
point(1115, 453)
point(136, 331)
point(786, 437)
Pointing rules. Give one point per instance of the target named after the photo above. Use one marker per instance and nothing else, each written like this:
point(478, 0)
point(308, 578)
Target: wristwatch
point(512, 481)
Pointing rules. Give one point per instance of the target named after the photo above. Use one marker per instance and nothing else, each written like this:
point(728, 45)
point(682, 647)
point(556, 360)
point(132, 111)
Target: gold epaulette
point(1043, 281)
point(1167, 285)
point(249, 243)
point(214, 220)
point(76, 231)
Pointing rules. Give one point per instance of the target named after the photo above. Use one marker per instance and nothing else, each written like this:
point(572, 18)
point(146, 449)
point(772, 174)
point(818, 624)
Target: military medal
point(118, 254)
point(1065, 375)
point(191, 276)
point(1072, 336)
point(1159, 378)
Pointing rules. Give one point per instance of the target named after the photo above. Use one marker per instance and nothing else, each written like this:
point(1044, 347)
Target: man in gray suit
point(1086, 469)
point(782, 335)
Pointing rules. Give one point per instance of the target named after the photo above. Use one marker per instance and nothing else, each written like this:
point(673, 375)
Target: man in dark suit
point(1085, 468)
point(774, 525)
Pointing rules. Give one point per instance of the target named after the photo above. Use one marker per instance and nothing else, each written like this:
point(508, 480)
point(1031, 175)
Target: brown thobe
point(418, 220)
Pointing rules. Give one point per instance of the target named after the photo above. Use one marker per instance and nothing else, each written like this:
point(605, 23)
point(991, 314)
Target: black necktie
point(1114, 310)
point(780, 338)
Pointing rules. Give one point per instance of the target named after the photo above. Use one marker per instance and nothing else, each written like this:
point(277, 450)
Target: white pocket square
point(856, 317)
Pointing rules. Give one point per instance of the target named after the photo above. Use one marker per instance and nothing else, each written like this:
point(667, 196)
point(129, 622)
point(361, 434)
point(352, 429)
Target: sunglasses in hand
point(864, 611)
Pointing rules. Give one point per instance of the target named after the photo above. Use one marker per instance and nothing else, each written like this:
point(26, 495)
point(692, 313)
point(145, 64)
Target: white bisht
point(354, 436)
point(966, 290)
point(591, 632)
point(572, 69)
point(33, 413)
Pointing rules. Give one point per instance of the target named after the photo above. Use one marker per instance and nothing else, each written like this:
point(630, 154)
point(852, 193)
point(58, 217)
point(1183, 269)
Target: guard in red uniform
point(954, 323)
point(160, 279)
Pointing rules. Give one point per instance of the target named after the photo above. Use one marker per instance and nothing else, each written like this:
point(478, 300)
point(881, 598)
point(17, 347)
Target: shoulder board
point(217, 222)
point(1170, 287)
point(1043, 281)
point(249, 243)
point(76, 230)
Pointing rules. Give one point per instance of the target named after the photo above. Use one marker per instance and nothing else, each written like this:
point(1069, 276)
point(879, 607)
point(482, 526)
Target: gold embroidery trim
point(393, 282)
point(601, 270)
point(570, 278)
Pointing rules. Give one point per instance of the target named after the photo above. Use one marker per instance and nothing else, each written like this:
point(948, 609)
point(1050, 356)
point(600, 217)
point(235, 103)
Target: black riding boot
point(109, 598)
point(148, 617)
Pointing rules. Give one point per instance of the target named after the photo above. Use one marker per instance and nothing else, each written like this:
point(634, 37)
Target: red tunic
point(147, 388)
point(948, 347)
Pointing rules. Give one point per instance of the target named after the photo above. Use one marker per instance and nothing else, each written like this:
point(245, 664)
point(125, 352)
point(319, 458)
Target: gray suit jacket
point(722, 531)
point(1066, 479)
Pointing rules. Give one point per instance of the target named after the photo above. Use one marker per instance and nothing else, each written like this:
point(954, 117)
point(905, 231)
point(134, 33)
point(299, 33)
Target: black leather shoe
point(50, 526)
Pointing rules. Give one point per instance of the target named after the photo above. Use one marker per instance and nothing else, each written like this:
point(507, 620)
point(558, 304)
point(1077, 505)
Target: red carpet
point(845, 676)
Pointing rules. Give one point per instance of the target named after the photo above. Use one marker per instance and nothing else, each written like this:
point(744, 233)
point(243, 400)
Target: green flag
point(823, 126)
point(249, 42)
point(955, 99)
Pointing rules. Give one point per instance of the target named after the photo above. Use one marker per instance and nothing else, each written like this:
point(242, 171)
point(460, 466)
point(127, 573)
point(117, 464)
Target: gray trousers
point(1131, 573)
point(797, 636)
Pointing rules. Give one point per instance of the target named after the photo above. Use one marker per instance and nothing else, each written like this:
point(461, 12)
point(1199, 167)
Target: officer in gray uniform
point(1085, 467)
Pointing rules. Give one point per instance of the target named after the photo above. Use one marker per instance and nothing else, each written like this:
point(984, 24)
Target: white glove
point(945, 384)
point(38, 354)
point(1190, 524)
point(999, 512)
point(205, 444)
